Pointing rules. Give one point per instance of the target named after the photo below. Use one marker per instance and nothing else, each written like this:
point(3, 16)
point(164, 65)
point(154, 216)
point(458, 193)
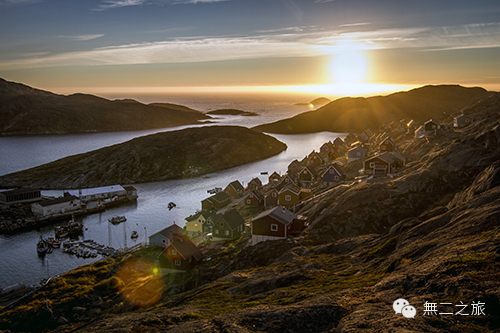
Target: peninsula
point(169, 155)
point(231, 112)
point(357, 114)
point(28, 111)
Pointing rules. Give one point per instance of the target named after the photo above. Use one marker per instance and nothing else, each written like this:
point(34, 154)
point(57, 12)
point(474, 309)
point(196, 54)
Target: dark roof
point(50, 202)
point(170, 231)
point(255, 180)
point(280, 214)
point(129, 188)
point(236, 185)
point(292, 187)
point(21, 190)
point(233, 219)
point(220, 197)
point(186, 248)
point(386, 157)
point(336, 167)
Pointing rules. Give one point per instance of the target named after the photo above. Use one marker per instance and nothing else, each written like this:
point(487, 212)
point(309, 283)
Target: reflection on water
point(18, 259)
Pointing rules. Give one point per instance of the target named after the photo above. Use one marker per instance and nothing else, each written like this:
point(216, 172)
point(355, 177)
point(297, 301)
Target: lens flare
point(143, 286)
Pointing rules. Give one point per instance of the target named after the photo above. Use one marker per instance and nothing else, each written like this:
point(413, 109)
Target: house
point(274, 178)
point(254, 198)
point(363, 137)
point(99, 193)
point(275, 223)
point(181, 254)
point(419, 132)
point(20, 195)
point(314, 160)
point(216, 201)
point(228, 226)
point(339, 144)
point(234, 189)
point(356, 153)
point(332, 175)
point(305, 177)
point(194, 225)
point(254, 184)
point(462, 120)
point(294, 167)
point(166, 236)
point(350, 138)
point(271, 198)
point(387, 145)
point(61, 205)
point(326, 148)
point(383, 164)
point(289, 195)
point(431, 127)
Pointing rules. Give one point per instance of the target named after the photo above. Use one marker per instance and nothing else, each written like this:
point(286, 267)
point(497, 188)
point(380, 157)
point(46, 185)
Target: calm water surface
point(18, 259)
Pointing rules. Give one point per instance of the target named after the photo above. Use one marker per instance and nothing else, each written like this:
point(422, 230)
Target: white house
point(48, 207)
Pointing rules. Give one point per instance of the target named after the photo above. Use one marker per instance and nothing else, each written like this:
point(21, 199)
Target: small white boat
point(134, 235)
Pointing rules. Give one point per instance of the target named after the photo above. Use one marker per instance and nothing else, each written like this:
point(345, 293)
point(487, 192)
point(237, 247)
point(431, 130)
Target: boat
point(171, 205)
point(134, 235)
point(264, 173)
point(41, 247)
point(74, 228)
point(53, 242)
point(117, 220)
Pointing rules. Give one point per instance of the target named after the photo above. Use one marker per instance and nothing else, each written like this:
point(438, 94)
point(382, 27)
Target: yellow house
point(194, 226)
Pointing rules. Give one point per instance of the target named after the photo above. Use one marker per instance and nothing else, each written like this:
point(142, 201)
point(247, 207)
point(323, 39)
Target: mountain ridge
point(28, 111)
point(356, 114)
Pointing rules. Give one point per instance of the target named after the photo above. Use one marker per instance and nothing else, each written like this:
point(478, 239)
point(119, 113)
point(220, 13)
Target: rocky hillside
point(157, 157)
point(430, 235)
point(357, 114)
point(28, 111)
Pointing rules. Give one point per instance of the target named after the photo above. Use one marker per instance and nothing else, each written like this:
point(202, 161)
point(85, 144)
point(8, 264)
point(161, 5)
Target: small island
point(320, 101)
point(232, 112)
point(162, 156)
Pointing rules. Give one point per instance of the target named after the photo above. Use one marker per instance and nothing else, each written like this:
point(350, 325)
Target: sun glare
point(348, 67)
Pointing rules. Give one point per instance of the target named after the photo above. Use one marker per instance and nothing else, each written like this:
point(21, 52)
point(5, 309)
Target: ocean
point(19, 261)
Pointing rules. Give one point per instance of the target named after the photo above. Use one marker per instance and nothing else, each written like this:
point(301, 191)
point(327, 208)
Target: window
point(382, 147)
point(216, 231)
point(174, 251)
point(274, 227)
point(221, 224)
point(249, 201)
point(332, 171)
point(275, 194)
point(227, 232)
point(177, 263)
point(288, 197)
point(372, 164)
point(358, 153)
point(336, 178)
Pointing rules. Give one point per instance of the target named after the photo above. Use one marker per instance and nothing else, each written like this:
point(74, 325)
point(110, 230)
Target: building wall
point(262, 226)
point(20, 197)
point(294, 198)
point(59, 208)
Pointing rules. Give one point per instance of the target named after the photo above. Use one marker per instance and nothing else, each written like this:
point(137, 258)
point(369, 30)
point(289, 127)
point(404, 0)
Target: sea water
point(18, 258)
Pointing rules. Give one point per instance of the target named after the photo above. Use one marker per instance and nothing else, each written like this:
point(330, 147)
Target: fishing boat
point(41, 247)
point(214, 190)
point(61, 231)
point(117, 220)
point(171, 205)
point(54, 243)
point(134, 235)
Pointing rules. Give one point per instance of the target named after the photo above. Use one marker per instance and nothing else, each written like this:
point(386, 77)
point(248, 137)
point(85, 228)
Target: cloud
point(290, 42)
point(109, 4)
point(82, 37)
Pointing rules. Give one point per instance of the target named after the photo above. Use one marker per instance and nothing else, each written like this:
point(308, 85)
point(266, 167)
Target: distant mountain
point(28, 111)
point(357, 114)
point(320, 101)
point(170, 155)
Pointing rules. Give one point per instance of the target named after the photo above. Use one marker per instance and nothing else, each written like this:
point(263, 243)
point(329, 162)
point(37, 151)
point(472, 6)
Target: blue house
point(332, 175)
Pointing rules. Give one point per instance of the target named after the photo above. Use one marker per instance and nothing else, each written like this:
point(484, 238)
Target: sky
point(312, 45)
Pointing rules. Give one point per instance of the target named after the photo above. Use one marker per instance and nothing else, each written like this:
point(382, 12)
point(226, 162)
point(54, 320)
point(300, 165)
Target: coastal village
point(259, 211)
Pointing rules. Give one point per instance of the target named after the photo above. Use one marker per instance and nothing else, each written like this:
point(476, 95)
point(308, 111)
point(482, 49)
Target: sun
point(348, 67)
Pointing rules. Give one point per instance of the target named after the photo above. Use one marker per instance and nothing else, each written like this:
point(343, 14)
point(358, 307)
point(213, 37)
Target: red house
point(254, 198)
point(182, 254)
point(275, 223)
